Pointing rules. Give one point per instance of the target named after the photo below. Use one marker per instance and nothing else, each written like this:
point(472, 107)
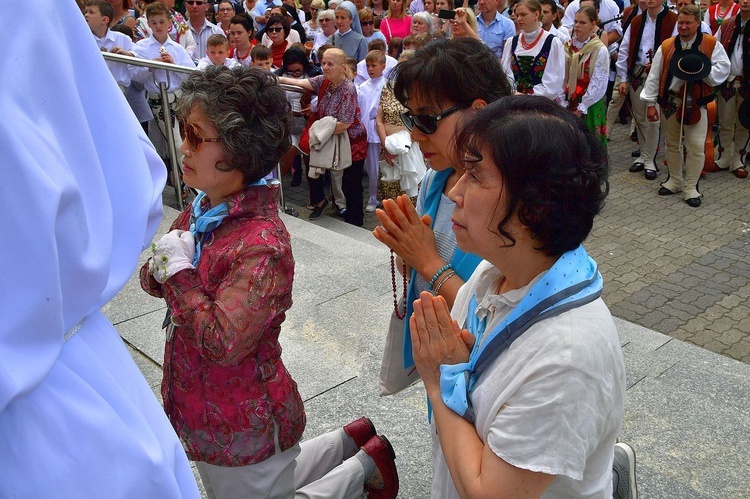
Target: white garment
point(113, 39)
point(327, 150)
point(735, 61)
point(552, 85)
point(410, 160)
point(186, 39)
point(607, 10)
point(599, 78)
point(149, 49)
point(553, 401)
point(559, 33)
point(206, 62)
point(647, 43)
point(81, 199)
point(362, 75)
point(368, 97)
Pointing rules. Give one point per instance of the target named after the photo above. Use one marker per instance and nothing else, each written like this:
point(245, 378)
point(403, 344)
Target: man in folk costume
point(720, 12)
point(613, 110)
point(734, 36)
point(644, 35)
point(690, 64)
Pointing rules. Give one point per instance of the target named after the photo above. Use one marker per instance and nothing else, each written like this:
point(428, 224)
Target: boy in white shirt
point(160, 47)
point(99, 14)
point(368, 95)
point(217, 53)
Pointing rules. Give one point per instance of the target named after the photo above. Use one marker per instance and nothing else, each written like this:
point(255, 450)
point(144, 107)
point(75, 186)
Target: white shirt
point(368, 97)
point(201, 37)
point(553, 401)
point(362, 75)
point(113, 39)
point(599, 78)
point(562, 35)
point(735, 61)
point(608, 9)
point(718, 75)
point(206, 62)
point(647, 43)
point(552, 81)
point(149, 49)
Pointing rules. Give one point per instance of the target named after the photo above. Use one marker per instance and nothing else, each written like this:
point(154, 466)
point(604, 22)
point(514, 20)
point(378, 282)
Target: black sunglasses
point(426, 123)
point(275, 30)
point(194, 2)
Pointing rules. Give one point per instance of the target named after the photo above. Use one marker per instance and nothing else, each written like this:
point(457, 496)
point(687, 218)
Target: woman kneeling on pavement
point(226, 271)
point(509, 415)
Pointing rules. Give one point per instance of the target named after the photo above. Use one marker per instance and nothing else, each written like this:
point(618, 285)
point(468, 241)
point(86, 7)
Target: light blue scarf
point(571, 282)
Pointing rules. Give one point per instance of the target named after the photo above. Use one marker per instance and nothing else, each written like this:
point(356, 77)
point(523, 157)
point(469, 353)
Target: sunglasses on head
point(192, 138)
point(426, 123)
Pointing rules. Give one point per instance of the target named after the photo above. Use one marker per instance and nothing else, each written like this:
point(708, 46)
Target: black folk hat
point(690, 65)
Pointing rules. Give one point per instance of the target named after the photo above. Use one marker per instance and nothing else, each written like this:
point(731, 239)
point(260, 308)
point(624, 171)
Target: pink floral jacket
point(224, 384)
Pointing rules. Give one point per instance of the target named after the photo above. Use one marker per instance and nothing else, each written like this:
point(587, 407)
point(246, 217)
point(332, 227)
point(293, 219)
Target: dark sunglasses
point(274, 30)
point(313, 10)
point(192, 138)
point(195, 2)
point(426, 123)
point(366, 23)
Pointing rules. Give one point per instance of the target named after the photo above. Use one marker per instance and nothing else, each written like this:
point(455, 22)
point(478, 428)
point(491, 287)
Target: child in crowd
point(160, 47)
point(261, 56)
point(390, 62)
point(368, 96)
point(409, 43)
point(217, 53)
point(351, 68)
point(394, 47)
point(99, 14)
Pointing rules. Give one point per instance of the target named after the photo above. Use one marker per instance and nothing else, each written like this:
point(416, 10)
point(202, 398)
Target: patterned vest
point(527, 70)
point(665, 22)
point(705, 43)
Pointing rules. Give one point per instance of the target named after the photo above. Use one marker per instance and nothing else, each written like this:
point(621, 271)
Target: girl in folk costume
point(587, 70)
point(534, 60)
point(719, 12)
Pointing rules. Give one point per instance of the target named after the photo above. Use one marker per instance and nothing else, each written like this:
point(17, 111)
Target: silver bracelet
point(440, 285)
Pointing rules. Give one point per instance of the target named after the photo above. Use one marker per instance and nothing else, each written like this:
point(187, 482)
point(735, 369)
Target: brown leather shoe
point(383, 483)
point(361, 431)
point(740, 172)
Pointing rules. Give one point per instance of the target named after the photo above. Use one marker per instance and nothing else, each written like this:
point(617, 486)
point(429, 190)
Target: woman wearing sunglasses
point(527, 400)
point(226, 272)
point(312, 27)
point(277, 30)
point(444, 82)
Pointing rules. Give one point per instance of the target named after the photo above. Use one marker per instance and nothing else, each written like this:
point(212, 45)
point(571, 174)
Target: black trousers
point(351, 184)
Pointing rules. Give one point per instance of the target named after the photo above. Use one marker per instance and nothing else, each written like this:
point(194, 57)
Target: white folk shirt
point(112, 39)
point(554, 71)
point(550, 403)
point(149, 49)
point(735, 61)
point(647, 43)
point(607, 10)
point(717, 76)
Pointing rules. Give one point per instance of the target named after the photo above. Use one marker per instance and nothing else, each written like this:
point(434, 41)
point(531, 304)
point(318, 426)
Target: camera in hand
point(447, 14)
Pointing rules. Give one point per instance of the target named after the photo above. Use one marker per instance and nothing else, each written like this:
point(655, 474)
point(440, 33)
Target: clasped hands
point(172, 253)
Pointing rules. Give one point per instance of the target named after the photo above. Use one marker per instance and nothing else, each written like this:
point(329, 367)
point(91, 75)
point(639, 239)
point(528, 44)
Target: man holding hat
point(733, 94)
point(685, 70)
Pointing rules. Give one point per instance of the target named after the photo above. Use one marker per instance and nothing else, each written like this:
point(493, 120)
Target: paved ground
point(678, 270)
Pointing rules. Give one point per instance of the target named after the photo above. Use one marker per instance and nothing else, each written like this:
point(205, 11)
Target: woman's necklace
point(529, 46)
point(722, 15)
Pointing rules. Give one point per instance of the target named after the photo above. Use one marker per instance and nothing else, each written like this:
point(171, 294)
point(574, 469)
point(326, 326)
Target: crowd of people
point(483, 130)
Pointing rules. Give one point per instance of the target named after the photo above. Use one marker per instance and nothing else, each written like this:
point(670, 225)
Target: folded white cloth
point(410, 160)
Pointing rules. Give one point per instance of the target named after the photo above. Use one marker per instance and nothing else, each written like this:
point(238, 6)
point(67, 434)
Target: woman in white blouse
point(534, 60)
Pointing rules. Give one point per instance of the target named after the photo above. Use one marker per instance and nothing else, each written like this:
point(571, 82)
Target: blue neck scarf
point(571, 282)
point(203, 223)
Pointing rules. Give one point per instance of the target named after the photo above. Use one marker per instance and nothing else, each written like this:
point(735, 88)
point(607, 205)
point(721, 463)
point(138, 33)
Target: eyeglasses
point(226, 9)
point(295, 72)
point(275, 30)
point(192, 138)
point(313, 10)
point(426, 123)
point(367, 23)
point(195, 2)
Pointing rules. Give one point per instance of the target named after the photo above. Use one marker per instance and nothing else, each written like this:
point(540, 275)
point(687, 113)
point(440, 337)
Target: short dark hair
point(277, 19)
point(216, 39)
point(156, 9)
point(554, 169)
point(458, 71)
point(260, 53)
point(376, 44)
point(250, 112)
point(105, 9)
point(243, 20)
point(295, 55)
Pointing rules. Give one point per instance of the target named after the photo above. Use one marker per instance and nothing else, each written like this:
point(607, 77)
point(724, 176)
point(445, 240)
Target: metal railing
point(171, 149)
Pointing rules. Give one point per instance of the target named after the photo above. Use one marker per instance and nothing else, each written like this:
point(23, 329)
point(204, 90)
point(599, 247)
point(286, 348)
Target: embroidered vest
point(627, 17)
point(665, 22)
point(706, 45)
point(529, 71)
point(716, 22)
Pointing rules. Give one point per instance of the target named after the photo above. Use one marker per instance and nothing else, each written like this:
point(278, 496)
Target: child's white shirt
point(149, 49)
point(368, 95)
point(206, 62)
point(121, 72)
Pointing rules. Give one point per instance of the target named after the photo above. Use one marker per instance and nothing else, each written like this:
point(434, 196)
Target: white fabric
point(410, 160)
point(735, 61)
point(81, 199)
point(608, 9)
point(186, 39)
point(552, 85)
point(647, 42)
point(149, 49)
point(113, 39)
point(206, 62)
point(733, 137)
point(559, 33)
point(362, 75)
point(553, 401)
point(323, 473)
point(599, 78)
point(368, 97)
point(326, 149)
point(175, 251)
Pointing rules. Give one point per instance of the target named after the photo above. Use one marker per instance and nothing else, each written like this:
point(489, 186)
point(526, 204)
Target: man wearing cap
point(697, 59)
point(644, 35)
point(733, 135)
